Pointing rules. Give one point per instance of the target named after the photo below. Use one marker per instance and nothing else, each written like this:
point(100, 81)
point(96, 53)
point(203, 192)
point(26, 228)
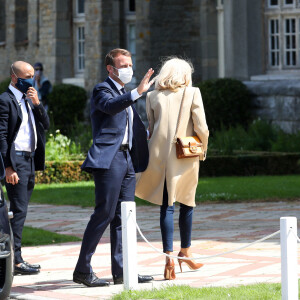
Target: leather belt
point(25, 153)
point(124, 147)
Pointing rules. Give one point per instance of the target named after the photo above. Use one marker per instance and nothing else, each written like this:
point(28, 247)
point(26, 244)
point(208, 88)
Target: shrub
point(223, 165)
point(260, 136)
point(227, 102)
point(60, 147)
point(62, 171)
point(82, 135)
point(287, 142)
point(66, 106)
point(225, 141)
point(4, 85)
point(251, 164)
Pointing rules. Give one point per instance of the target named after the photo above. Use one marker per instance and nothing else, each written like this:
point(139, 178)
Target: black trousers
point(19, 196)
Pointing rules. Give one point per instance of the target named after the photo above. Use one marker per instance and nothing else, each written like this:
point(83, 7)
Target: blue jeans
point(167, 224)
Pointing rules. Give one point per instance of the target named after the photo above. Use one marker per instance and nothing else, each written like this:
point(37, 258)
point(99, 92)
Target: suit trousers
point(19, 196)
point(112, 187)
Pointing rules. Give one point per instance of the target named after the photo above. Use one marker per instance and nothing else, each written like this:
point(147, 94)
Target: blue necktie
point(129, 118)
point(129, 111)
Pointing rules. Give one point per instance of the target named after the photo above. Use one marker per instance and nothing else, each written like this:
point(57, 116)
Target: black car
point(6, 244)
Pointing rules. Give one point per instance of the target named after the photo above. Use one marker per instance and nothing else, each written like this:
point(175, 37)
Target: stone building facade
point(257, 41)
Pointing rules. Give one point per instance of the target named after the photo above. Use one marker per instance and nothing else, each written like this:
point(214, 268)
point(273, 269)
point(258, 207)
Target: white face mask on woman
point(125, 74)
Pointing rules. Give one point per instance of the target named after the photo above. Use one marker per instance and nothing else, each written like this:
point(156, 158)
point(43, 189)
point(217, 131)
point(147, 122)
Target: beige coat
point(181, 175)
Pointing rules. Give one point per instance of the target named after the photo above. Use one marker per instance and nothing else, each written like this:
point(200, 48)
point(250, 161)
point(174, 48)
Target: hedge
point(4, 85)
point(62, 171)
point(227, 103)
point(251, 164)
point(67, 103)
point(235, 165)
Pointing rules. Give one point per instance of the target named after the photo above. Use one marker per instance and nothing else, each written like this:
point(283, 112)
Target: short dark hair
point(38, 65)
point(110, 56)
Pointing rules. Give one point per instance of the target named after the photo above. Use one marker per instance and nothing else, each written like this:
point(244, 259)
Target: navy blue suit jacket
point(109, 119)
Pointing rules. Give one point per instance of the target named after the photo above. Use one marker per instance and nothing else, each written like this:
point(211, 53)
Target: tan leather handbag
point(189, 146)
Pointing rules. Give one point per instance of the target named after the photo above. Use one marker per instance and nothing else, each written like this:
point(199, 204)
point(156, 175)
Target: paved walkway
point(217, 228)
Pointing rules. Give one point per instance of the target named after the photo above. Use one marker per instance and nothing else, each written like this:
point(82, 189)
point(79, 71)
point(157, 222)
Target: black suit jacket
point(10, 122)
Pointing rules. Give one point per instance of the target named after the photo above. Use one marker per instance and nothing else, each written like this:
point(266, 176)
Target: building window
point(130, 19)
point(221, 45)
point(80, 48)
point(80, 7)
point(131, 44)
point(131, 5)
point(283, 34)
point(290, 49)
point(79, 37)
point(38, 22)
point(21, 22)
point(2, 23)
point(273, 3)
point(274, 42)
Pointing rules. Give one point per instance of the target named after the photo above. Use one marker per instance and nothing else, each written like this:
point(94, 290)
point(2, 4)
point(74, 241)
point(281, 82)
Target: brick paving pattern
point(216, 228)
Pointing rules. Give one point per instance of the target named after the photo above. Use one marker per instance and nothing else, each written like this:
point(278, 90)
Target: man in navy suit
point(23, 121)
point(119, 150)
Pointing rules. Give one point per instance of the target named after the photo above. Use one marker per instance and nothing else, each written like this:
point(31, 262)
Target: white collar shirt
point(119, 87)
point(22, 141)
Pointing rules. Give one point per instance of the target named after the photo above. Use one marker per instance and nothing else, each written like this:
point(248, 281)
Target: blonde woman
point(167, 179)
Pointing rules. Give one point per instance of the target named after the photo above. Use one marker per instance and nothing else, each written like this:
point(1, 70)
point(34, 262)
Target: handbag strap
point(179, 116)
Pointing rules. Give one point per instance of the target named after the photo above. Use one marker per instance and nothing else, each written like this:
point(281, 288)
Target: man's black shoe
point(89, 279)
point(141, 279)
point(33, 266)
point(23, 269)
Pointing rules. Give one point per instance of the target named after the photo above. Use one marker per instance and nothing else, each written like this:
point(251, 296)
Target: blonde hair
point(174, 74)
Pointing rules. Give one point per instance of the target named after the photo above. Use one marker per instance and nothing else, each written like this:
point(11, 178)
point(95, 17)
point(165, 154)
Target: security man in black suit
point(23, 121)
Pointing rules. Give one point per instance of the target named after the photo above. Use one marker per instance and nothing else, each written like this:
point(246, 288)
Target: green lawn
point(34, 237)
point(78, 193)
point(210, 189)
point(184, 292)
point(235, 189)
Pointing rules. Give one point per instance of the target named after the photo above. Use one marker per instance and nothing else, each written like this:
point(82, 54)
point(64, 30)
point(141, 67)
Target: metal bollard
point(288, 241)
point(129, 241)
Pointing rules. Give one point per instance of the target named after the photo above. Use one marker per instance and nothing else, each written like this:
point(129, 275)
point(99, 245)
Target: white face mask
point(125, 74)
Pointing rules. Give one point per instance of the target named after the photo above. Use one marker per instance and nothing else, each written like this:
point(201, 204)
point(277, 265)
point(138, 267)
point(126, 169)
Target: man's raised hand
point(146, 83)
